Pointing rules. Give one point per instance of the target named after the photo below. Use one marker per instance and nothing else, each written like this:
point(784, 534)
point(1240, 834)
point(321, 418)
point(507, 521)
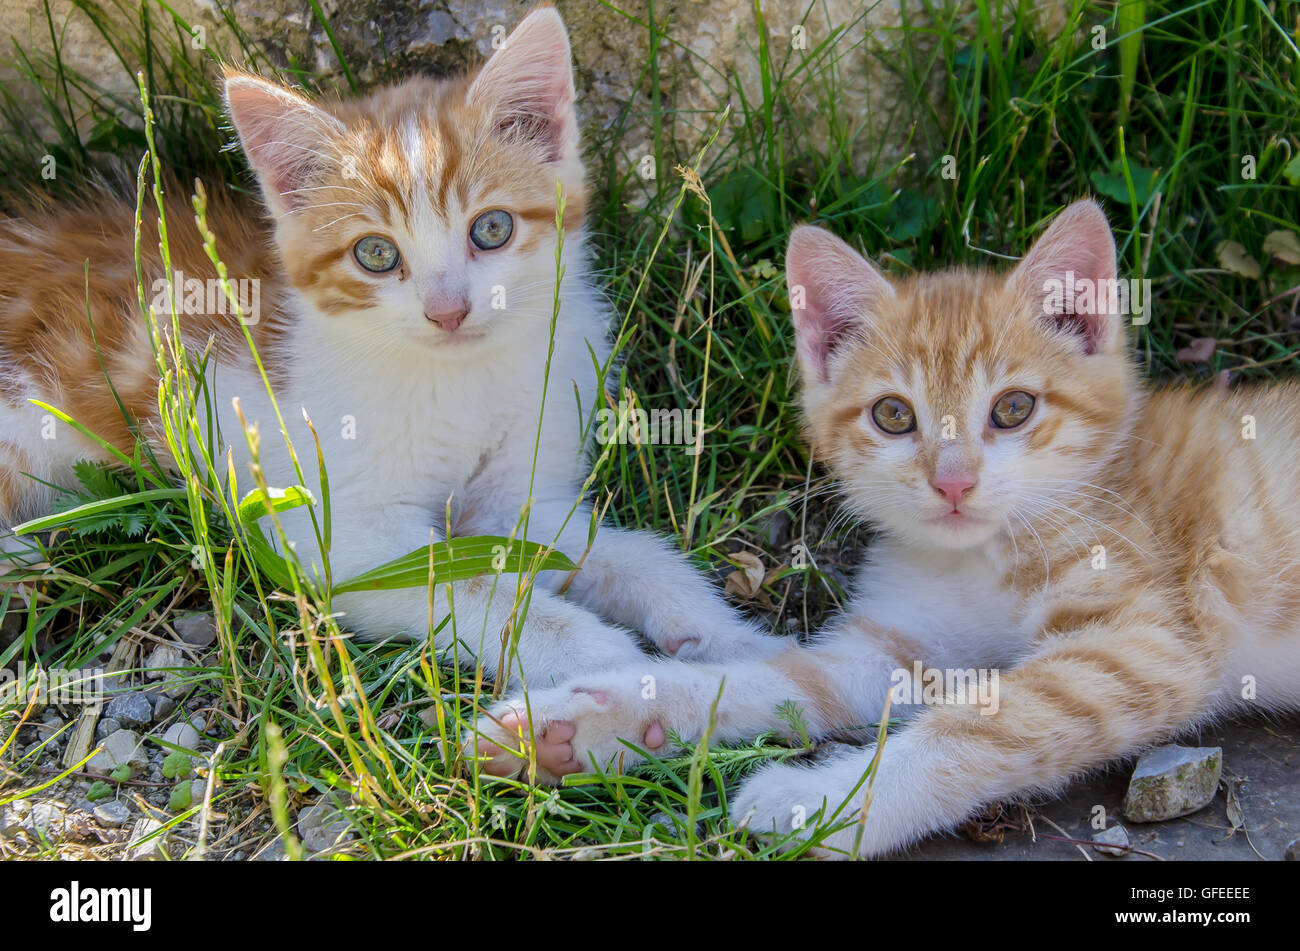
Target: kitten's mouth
point(956, 519)
point(459, 337)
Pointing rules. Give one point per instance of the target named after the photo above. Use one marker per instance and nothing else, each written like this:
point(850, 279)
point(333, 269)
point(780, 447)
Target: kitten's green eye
point(376, 254)
point(894, 416)
point(1012, 409)
point(491, 229)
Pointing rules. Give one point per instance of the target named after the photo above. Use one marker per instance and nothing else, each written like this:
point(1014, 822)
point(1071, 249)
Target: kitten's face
point(425, 214)
point(950, 406)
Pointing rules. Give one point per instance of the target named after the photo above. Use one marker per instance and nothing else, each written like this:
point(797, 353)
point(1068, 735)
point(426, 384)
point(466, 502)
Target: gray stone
point(1292, 851)
point(105, 726)
point(275, 852)
point(1172, 781)
point(152, 850)
point(164, 657)
point(10, 820)
point(120, 748)
point(182, 734)
point(163, 707)
point(1108, 838)
point(321, 827)
point(112, 813)
point(197, 630)
point(132, 710)
point(48, 819)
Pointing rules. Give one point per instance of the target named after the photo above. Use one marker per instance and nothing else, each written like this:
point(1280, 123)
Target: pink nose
point(449, 320)
point(953, 488)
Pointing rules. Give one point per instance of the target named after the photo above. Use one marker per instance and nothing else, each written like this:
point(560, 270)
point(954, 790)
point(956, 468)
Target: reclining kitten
point(1128, 560)
point(406, 288)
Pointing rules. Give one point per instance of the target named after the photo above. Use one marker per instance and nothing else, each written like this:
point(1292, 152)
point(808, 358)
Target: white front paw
point(784, 798)
point(579, 727)
point(732, 643)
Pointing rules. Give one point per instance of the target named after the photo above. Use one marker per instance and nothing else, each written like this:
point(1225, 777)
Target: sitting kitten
point(1127, 560)
point(406, 292)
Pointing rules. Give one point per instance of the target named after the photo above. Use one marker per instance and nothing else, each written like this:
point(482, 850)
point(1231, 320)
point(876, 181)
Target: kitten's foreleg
point(638, 580)
point(1082, 701)
point(836, 685)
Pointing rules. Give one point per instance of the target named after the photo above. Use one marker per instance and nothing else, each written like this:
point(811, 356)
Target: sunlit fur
point(1130, 563)
point(416, 420)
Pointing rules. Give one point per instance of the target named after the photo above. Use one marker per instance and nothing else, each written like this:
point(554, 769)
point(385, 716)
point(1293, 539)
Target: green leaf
point(258, 503)
point(180, 798)
point(1292, 170)
point(1113, 185)
point(99, 790)
point(1130, 18)
point(121, 774)
point(98, 480)
point(456, 560)
point(72, 515)
point(459, 560)
point(912, 215)
point(177, 765)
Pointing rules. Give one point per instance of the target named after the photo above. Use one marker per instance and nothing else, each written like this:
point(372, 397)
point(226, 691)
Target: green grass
point(1028, 118)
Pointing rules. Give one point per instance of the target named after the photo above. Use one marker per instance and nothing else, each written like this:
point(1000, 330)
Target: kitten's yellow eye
point(894, 416)
point(376, 254)
point(1012, 409)
point(491, 229)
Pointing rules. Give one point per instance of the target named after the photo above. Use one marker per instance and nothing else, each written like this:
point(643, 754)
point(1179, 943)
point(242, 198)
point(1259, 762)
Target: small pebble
point(182, 734)
point(199, 630)
point(132, 710)
point(112, 813)
point(1115, 835)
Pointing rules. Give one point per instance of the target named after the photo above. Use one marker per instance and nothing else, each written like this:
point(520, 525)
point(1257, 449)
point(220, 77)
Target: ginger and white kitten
point(407, 277)
point(1126, 560)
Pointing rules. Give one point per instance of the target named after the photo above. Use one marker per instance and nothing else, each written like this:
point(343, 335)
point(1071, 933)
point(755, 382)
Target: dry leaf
point(1198, 351)
point(1231, 794)
point(746, 581)
point(1233, 256)
point(1283, 245)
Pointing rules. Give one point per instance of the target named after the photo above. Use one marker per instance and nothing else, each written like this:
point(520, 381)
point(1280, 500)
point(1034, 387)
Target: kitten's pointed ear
point(833, 290)
point(1071, 270)
point(528, 85)
point(286, 138)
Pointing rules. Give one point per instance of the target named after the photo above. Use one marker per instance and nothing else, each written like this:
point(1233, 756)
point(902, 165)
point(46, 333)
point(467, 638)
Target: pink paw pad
point(673, 645)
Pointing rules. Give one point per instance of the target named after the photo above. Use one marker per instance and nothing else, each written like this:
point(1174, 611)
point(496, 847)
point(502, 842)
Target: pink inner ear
point(832, 290)
point(1071, 272)
point(528, 84)
point(284, 136)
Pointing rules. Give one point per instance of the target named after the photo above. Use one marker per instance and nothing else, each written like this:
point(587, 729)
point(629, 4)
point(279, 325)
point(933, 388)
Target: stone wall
point(707, 54)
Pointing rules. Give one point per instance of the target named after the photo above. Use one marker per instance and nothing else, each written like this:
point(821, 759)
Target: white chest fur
point(954, 602)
